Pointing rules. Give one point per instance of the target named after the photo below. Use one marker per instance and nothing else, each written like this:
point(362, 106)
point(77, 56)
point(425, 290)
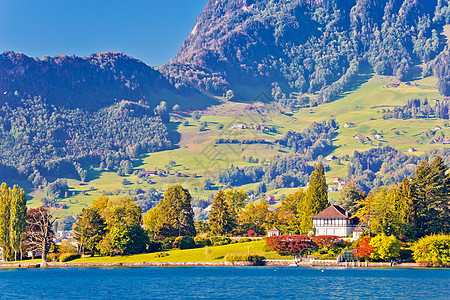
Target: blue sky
point(150, 30)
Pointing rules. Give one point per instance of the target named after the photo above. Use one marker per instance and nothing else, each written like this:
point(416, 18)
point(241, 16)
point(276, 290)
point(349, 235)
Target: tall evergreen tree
point(429, 207)
point(221, 220)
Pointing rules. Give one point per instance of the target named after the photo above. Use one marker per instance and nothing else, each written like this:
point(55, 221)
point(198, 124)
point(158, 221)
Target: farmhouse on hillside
point(334, 220)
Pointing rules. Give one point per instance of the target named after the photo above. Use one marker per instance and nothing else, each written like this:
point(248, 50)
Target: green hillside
point(198, 157)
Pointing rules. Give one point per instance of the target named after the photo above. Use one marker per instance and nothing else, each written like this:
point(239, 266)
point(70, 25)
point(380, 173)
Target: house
point(273, 232)
point(270, 199)
point(446, 141)
point(349, 124)
point(411, 150)
point(150, 173)
point(437, 127)
point(334, 220)
point(331, 157)
point(361, 138)
point(337, 179)
point(357, 232)
point(238, 126)
point(340, 185)
point(377, 136)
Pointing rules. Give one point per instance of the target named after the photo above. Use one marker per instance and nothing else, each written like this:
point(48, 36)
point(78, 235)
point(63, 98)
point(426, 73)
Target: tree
point(364, 248)
point(13, 212)
point(316, 198)
point(39, 232)
point(176, 211)
point(18, 218)
point(433, 250)
point(255, 217)
point(123, 224)
point(385, 247)
point(288, 216)
point(89, 229)
point(5, 207)
point(349, 196)
point(236, 198)
point(221, 221)
point(429, 209)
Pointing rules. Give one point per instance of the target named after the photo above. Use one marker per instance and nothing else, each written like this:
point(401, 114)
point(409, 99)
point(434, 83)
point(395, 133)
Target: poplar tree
point(221, 221)
point(5, 206)
point(18, 218)
point(316, 198)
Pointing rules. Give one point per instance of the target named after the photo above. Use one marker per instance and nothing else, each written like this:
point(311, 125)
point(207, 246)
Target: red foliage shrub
point(364, 249)
point(250, 232)
point(326, 240)
point(290, 244)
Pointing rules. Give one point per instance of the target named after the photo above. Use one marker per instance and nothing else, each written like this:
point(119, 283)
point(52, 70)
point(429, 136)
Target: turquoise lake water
point(224, 283)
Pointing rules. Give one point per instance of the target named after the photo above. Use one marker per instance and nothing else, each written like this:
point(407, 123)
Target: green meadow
point(207, 254)
point(198, 157)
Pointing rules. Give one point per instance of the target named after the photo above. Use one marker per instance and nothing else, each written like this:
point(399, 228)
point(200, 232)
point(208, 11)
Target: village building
point(411, 150)
point(349, 124)
point(273, 232)
point(334, 220)
point(357, 232)
point(331, 157)
point(238, 126)
point(437, 127)
point(270, 199)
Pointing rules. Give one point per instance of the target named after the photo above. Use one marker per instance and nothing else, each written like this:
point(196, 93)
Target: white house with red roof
point(334, 220)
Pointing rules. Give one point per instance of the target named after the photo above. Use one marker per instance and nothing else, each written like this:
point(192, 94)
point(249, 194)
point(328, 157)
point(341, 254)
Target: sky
point(149, 30)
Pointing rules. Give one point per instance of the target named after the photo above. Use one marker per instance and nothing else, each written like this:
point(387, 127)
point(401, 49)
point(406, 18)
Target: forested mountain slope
point(313, 46)
point(92, 82)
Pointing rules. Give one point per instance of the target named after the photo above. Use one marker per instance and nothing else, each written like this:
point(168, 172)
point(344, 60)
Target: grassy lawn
point(207, 254)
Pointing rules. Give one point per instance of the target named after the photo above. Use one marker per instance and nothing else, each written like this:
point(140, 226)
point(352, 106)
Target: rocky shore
point(269, 263)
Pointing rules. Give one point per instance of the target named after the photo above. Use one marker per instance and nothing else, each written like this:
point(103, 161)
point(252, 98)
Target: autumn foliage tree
point(290, 244)
point(328, 241)
point(364, 249)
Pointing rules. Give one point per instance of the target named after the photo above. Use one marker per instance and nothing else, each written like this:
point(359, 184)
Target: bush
point(53, 256)
point(162, 254)
point(234, 257)
point(186, 242)
point(245, 240)
point(433, 250)
point(154, 246)
point(220, 240)
point(67, 247)
point(167, 243)
point(202, 241)
point(69, 256)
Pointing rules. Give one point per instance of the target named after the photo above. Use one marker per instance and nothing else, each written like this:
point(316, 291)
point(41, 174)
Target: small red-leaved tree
point(290, 244)
point(326, 240)
point(364, 249)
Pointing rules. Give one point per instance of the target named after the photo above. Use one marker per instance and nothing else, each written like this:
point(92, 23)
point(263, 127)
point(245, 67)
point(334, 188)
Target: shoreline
point(271, 263)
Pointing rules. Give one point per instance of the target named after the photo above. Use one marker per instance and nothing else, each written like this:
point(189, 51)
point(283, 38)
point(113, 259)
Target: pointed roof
point(358, 229)
point(333, 211)
point(274, 229)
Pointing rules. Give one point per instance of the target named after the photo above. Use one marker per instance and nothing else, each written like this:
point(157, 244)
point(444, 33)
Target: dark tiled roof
point(333, 211)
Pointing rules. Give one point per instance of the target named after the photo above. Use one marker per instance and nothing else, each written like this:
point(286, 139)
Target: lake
point(224, 283)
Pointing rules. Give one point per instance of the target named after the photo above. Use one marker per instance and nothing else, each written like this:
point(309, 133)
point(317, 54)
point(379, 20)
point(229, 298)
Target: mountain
point(93, 82)
point(313, 46)
point(60, 115)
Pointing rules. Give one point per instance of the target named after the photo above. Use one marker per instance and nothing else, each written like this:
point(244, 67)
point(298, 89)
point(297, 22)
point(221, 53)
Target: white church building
point(334, 220)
